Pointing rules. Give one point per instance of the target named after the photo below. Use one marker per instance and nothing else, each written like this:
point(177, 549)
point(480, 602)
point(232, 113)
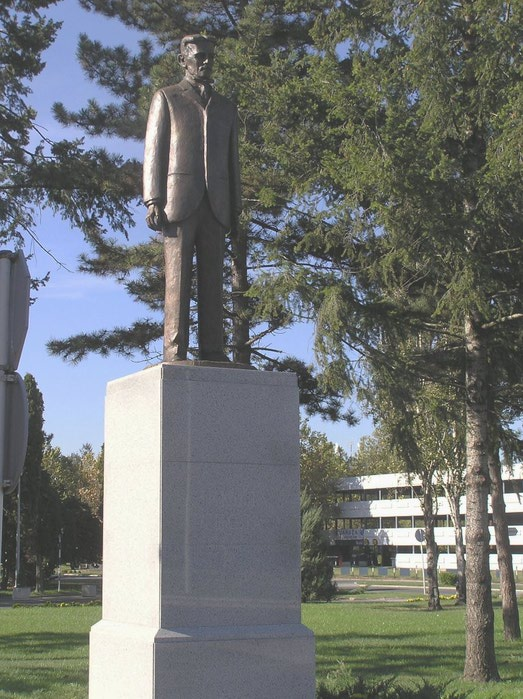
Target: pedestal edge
point(214, 373)
point(203, 633)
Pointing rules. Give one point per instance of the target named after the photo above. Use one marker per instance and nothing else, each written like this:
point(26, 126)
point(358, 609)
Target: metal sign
point(420, 535)
point(15, 285)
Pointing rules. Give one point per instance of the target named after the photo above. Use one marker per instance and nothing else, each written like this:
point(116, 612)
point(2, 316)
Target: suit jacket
point(191, 149)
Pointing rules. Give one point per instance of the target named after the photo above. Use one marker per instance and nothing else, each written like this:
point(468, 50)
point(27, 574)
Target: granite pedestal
point(201, 569)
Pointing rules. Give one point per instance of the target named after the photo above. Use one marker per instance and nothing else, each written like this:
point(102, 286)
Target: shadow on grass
point(371, 659)
point(378, 639)
point(37, 661)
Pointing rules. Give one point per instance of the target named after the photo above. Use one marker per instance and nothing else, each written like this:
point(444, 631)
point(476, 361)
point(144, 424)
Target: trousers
point(202, 233)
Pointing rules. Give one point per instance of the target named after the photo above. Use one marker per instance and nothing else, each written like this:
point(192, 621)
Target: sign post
point(15, 284)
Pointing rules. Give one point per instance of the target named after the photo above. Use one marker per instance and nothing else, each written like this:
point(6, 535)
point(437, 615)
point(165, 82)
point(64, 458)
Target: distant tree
point(92, 476)
point(509, 599)
point(39, 523)
point(423, 423)
point(316, 569)
point(78, 480)
point(375, 455)
point(322, 464)
point(451, 478)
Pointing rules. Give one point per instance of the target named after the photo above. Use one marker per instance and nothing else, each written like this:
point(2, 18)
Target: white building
point(378, 517)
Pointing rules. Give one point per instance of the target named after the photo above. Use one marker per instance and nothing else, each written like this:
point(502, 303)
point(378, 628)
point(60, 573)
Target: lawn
point(44, 652)
point(401, 639)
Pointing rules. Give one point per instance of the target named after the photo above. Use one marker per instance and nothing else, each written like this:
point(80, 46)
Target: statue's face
point(198, 59)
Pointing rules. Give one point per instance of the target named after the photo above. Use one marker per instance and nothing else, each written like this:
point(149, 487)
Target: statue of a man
point(191, 186)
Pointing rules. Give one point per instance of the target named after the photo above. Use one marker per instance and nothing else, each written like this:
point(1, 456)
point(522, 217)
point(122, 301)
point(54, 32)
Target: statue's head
point(197, 56)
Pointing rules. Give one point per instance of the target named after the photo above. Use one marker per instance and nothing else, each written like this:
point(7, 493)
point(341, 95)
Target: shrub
point(340, 684)
point(447, 578)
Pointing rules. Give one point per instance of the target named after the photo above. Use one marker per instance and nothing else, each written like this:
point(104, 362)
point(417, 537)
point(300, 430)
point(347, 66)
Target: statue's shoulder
point(173, 90)
point(224, 102)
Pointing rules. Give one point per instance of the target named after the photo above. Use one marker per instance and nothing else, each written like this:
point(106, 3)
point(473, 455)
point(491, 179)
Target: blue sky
point(72, 302)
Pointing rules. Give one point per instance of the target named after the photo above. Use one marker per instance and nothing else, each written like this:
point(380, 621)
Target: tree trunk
point(453, 501)
point(509, 600)
point(39, 577)
point(432, 547)
point(480, 658)
point(240, 303)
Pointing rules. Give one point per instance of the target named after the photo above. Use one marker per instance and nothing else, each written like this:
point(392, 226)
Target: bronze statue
point(191, 188)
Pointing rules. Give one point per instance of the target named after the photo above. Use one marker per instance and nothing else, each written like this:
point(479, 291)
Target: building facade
point(379, 518)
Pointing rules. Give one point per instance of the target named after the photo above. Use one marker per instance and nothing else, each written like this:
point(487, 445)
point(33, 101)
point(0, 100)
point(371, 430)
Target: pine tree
point(383, 152)
point(89, 187)
point(418, 169)
point(249, 34)
point(316, 569)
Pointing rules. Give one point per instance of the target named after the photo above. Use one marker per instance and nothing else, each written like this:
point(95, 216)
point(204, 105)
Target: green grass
point(403, 640)
point(44, 650)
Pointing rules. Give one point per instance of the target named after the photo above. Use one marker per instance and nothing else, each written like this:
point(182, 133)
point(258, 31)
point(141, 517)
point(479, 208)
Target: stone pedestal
point(201, 577)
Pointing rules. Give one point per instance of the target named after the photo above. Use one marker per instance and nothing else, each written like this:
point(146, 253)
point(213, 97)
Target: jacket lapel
point(191, 93)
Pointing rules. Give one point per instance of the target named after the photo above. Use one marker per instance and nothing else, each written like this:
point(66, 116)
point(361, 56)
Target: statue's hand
point(156, 219)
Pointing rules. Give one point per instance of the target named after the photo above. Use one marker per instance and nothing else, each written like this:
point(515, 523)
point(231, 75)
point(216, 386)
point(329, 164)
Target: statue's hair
point(194, 39)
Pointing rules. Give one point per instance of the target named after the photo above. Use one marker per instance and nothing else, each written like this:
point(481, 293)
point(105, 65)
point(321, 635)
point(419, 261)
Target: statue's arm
point(155, 162)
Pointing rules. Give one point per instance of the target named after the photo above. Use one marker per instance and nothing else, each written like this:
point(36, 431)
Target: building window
point(404, 522)
point(514, 485)
point(441, 521)
point(355, 495)
point(515, 518)
point(342, 523)
point(404, 493)
point(388, 493)
point(372, 523)
point(373, 494)
point(388, 522)
point(419, 522)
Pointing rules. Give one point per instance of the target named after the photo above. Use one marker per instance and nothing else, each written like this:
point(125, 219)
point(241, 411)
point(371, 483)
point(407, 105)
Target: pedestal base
point(266, 662)
point(201, 594)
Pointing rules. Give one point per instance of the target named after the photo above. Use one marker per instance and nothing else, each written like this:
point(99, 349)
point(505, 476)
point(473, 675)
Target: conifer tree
point(420, 167)
point(248, 34)
point(88, 187)
point(316, 569)
point(383, 151)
